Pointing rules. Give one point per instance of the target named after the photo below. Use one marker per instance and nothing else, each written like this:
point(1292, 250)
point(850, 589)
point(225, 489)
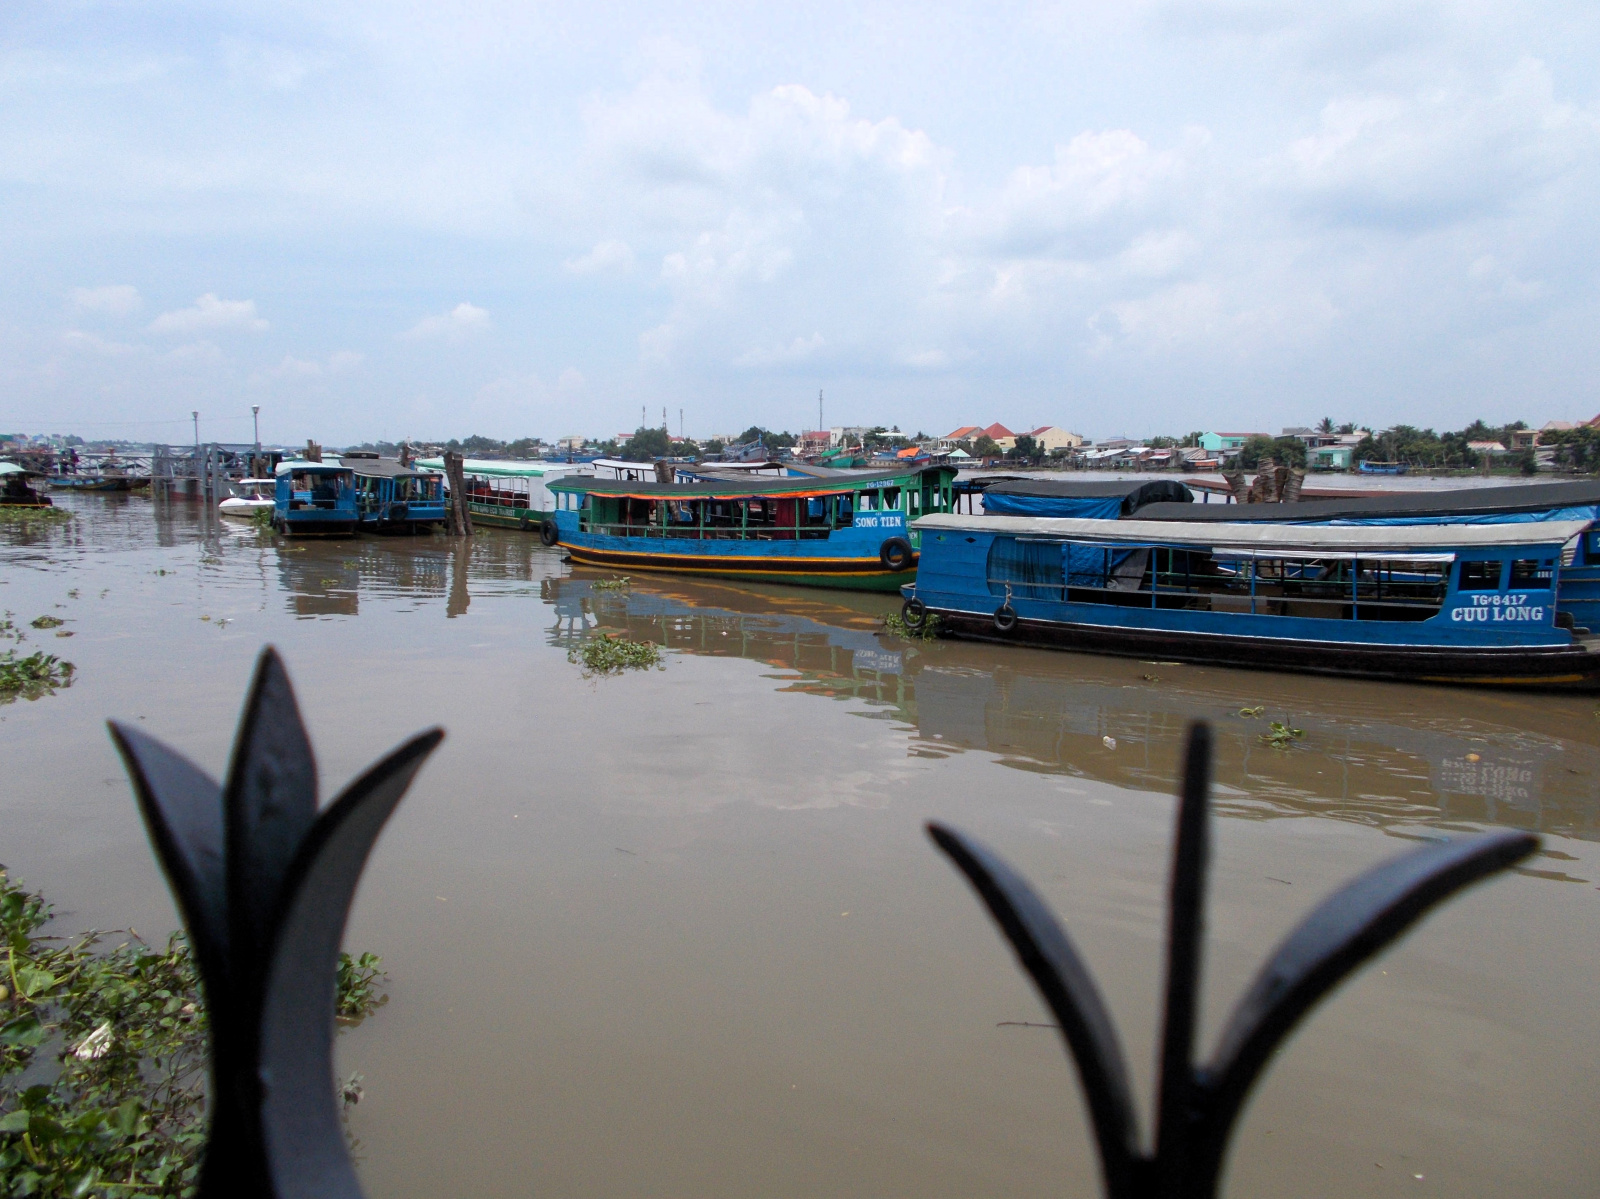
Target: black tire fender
point(913, 612)
point(1005, 618)
point(896, 554)
point(526, 523)
point(549, 534)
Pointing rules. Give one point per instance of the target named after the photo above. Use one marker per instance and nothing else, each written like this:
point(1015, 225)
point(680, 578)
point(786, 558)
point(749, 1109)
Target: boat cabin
point(1460, 603)
point(314, 499)
point(848, 530)
point(792, 509)
point(394, 498)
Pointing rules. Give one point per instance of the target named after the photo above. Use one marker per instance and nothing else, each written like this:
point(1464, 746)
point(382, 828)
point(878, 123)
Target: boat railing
point(699, 532)
point(1265, 599)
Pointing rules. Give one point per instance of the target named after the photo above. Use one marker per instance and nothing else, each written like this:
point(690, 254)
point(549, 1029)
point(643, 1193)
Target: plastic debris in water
point(95, 1044)
point(1109, 742)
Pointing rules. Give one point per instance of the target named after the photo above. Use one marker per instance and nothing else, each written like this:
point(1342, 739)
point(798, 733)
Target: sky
point(429, 220)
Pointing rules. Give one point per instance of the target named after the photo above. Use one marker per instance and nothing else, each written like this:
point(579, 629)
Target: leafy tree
point(646, 445)
point(481, 445)
point(1027, 449)
point(715, 446)
point(985, 446)
point(1285, 451)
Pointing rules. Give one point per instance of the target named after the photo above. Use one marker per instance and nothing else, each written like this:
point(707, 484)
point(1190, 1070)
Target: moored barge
point(1471, 604)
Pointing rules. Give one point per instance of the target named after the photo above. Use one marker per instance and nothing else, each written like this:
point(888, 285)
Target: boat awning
point(788, 488)
point(1527, 501)
point(1403, 541)
point(1100, 499)
point(509, 468)
point(297, 467)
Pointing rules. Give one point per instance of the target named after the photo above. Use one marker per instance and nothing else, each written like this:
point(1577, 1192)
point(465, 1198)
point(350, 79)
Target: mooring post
point(460, 516)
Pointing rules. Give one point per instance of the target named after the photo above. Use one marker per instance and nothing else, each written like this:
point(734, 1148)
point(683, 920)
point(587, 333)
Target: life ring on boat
point(913, 612)
point(548, 533)
point(896, 553)
point(1005, 618)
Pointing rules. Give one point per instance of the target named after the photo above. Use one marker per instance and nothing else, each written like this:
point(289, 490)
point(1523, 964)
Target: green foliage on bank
point(102, 1057)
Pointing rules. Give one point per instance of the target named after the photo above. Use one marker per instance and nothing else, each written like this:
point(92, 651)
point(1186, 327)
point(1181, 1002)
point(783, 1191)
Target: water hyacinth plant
point(613, 655)
point(102, 1057)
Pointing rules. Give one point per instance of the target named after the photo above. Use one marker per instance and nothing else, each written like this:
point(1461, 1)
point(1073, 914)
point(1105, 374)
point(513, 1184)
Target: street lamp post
point(255, 461)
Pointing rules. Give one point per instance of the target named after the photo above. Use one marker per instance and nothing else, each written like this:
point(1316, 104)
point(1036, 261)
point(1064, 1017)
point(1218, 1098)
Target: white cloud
point(610, 255)
point(801, 349)
point(91, 343)
point(455, 326)
point(119, 299)
point(311, 368)
point(210, 313)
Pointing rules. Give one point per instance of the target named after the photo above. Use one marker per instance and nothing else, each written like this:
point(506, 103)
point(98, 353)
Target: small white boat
point(250, 496)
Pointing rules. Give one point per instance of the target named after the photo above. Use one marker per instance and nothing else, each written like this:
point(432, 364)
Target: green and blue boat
point(821, 529)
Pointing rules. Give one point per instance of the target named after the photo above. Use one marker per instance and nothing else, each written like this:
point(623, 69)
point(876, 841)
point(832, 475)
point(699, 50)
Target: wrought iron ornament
point(264, 883)
point(1198, 1106)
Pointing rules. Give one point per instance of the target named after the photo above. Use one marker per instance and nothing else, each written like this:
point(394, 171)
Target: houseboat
point(395, 498)
point(16, 491)
point(847, 530)
point(1466, 603)
point(511, 494)
point(314, 499)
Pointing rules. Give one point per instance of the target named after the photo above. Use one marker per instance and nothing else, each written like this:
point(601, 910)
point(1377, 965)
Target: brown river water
point(680, 932)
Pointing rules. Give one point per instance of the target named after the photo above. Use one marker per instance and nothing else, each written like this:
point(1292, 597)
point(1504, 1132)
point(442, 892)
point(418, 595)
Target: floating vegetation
point(16, 514)
point(1252, 713)
point(928, 630)
point(612, 655)
point(618, 584)
point(113, 1048)
point(47, 622)
point(37, 675)
point(1281, 736)
point(261, 519)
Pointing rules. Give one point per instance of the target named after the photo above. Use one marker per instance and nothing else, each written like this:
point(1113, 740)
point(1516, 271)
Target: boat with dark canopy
point(1104, 499)
point(844, 529)
point(1454, 603)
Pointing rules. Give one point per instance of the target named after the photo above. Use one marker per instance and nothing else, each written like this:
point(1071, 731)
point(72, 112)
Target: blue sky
point(387, 219)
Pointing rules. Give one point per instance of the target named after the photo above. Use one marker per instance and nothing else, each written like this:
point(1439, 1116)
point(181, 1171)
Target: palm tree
point(1326, 426)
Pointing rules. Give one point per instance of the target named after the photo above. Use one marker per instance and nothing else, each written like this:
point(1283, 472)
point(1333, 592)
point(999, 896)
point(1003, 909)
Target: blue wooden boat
point(391, 498)
point(1578, 596)
point(314, 499)
point(1381, 468)
point(847, 529)
point(1464, 603)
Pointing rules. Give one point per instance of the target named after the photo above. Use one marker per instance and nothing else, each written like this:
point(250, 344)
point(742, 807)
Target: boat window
point(1532, 572)
point(1026, 568)
point(1480, 576)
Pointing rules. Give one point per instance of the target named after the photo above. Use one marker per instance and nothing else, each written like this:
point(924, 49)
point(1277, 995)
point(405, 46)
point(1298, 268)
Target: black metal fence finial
point(1198, 1106)
point(264, 883)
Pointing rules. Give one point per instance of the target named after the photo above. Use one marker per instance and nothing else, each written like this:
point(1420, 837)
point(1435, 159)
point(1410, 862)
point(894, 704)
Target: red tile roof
point(997, 431)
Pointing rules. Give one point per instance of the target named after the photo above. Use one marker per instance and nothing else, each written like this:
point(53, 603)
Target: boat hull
point(1543, 668)
point(854, 574)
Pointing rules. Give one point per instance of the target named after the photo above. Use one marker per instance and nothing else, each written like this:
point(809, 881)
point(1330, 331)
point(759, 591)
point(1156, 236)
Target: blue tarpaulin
point(1084, 507)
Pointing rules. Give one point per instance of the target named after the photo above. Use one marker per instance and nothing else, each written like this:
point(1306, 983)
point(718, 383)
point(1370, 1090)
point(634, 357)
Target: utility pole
point(680, 424)
point(196, 416)
point(641, 416)
point(820, 425)
point(664, 427)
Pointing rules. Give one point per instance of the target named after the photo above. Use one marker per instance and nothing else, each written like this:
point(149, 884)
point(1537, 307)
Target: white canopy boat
point(250, 496)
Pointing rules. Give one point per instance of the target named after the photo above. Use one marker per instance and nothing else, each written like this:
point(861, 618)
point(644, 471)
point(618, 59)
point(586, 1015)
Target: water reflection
point(1375, 753)
point(1380, 754)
